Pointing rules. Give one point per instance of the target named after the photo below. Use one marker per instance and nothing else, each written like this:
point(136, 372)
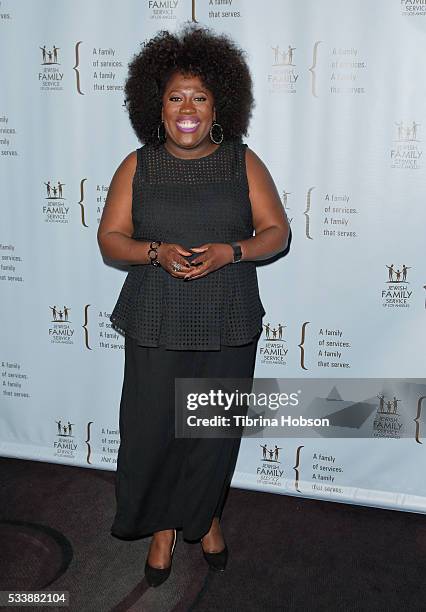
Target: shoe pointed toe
point(217, 561)
point(155, 575)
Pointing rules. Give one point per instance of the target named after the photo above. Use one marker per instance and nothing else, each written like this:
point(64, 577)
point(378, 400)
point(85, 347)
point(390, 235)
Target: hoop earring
point(161, 138)
point(214, 124)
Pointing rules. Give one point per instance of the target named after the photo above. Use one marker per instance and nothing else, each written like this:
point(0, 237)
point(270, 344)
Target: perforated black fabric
point(191, 202)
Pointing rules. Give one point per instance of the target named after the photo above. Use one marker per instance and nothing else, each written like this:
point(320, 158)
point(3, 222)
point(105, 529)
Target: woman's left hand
point(213, 256)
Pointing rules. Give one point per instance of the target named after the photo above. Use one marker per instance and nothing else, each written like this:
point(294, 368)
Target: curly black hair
point(196, 51)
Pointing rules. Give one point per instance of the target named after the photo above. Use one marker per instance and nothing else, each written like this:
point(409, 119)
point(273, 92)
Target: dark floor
point(286, 553)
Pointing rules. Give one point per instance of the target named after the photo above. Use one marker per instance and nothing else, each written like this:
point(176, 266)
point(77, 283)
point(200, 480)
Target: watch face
point(237, 252)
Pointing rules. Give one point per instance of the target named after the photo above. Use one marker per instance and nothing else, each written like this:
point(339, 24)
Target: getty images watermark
point(233, 402)
point(316, 407)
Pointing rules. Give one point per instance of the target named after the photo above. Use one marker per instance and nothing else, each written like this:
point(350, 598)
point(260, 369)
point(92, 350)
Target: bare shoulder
point(117, 212)
point(127, 167)
point(123, 176)
point(130, 159)
point(256, 168)
point(252, 158)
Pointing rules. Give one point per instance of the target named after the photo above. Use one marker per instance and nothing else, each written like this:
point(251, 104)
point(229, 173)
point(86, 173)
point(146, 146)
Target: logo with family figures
point(398, 275)
point(271, 345)
point(64, 429)
point(64, 444)
point(283, 58)
point(267, 473)
point(270, 454)
point(406, 152)
point(282, 77)
point(274, 333)
point(50, 76)
point(407, 133)
point(387, 423)
point(49, 57)
point(397, 294)
point(387, 406)
point(54, 208)
point(60, 315)
point(60, 330)
point(54, 192)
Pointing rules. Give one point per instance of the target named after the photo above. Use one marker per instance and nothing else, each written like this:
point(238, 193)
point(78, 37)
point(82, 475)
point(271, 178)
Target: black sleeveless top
point(191, 202)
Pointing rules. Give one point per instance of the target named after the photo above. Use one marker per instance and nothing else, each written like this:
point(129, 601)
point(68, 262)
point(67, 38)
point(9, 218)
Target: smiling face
point(188, 113)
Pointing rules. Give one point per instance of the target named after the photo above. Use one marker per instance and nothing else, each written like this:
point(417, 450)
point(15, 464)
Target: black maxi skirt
point(163, 482)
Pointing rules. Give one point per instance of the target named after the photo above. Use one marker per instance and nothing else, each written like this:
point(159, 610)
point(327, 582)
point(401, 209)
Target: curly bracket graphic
point(301, 346)
point(84, 326)
point(89, 449)
point(296, 468)
point(77, 63)
point(193, 18)
point(312, 68)
point(83, 221)
point(307, 211)
point(416, 420)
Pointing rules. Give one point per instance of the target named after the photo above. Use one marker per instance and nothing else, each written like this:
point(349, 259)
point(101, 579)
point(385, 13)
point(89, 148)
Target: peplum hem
point(149, 309)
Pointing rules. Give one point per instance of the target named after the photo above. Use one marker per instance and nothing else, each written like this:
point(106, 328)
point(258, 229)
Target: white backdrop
point(339, 121)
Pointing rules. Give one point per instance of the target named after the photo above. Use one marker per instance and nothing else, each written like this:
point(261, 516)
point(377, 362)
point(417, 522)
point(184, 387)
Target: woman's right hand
point(170, 254)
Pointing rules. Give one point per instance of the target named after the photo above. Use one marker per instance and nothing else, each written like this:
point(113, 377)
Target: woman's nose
point(187, 108)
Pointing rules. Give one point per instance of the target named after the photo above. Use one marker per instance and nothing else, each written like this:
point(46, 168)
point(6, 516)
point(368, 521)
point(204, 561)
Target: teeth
point(187, 123)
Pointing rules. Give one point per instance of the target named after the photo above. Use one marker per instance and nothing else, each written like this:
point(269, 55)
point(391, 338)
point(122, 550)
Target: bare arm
point(116, 227)
point(269, 218)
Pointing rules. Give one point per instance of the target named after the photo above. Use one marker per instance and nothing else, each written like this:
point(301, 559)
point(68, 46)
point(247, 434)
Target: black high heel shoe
point(156, 575)
point(217, 560)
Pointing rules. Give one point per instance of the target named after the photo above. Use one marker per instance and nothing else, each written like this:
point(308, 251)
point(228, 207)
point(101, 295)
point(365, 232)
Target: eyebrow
point(184, 90)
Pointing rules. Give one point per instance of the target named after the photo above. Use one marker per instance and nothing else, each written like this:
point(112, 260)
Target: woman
point(181, 211)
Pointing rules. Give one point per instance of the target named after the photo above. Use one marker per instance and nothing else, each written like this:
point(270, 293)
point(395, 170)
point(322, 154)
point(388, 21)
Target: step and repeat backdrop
point(340, 121)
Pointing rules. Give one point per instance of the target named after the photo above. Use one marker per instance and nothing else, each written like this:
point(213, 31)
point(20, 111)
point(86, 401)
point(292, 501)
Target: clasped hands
point(213, 255)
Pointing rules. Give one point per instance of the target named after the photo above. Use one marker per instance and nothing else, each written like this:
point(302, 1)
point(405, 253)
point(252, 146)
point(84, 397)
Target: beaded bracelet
point(153, 253)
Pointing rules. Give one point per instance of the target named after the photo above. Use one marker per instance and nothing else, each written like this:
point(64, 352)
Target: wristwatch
point(237, 252)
